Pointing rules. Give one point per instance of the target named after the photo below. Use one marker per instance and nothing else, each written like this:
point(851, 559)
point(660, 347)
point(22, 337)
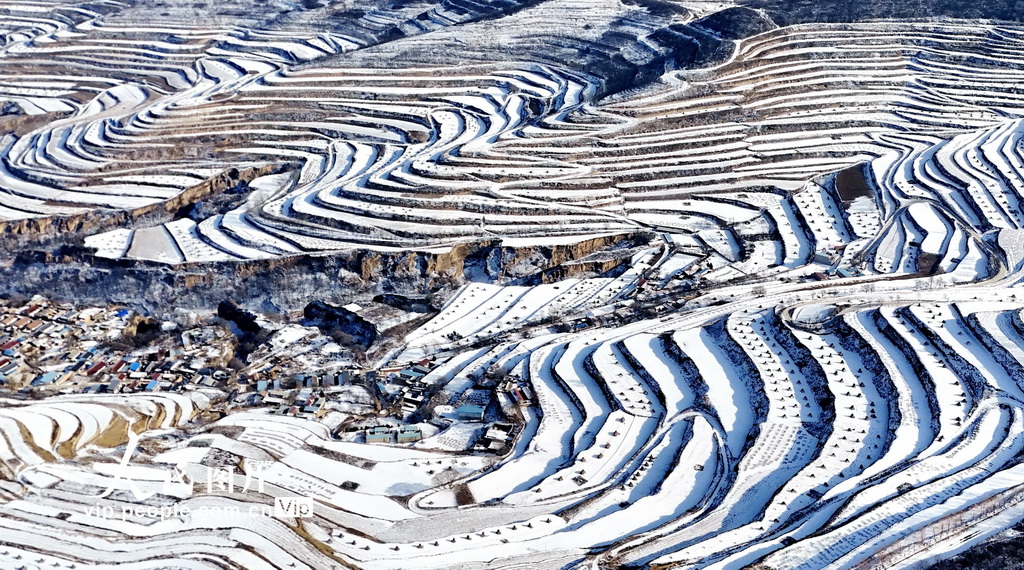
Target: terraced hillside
point(435, 154)
point(793, 430)
point(766, 260)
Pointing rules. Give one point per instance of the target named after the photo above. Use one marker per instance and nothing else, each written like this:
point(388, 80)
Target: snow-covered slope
point(811, 358)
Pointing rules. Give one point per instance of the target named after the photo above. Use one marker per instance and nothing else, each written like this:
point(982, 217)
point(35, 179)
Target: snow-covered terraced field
point(701, 439)
point(431, 155)
point(812, 355)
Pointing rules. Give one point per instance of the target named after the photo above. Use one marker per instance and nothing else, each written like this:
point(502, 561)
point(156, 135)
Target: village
point(51, 348)
point(531, 283)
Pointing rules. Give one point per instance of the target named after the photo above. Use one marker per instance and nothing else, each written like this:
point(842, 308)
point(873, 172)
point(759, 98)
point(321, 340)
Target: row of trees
point(958, 523)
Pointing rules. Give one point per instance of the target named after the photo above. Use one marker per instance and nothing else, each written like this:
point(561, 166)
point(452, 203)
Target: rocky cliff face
point(608, 45)
point(288, 283)
point(53, 231)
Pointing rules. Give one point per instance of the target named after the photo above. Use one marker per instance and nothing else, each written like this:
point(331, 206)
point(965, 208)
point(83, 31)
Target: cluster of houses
point(303, 403)
point(388, 434)
point(300, 396)
point(58, 347)
point(404, 385)
point(41, 329)
point(163, 370)
point(833, 258)
point(53, 346)
point(410, 385)
point(294, 349)
point(516, 390)
point(497, 438)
